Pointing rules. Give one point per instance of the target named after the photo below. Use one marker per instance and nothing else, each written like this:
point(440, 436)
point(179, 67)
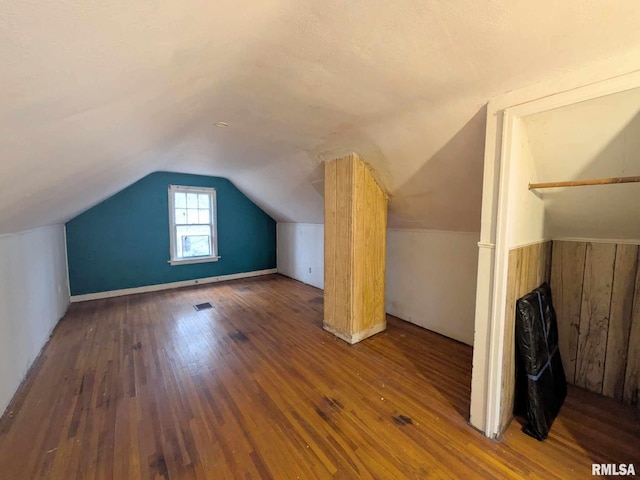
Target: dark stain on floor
point(323, 415)
point(238, 336)
point(333, 403)
point(402, 420)
point(160, 466)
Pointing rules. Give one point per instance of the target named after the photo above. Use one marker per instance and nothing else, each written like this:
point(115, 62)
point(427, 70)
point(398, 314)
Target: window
point(192, 216)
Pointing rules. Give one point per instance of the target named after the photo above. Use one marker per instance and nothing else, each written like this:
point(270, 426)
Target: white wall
point(598, 138)
point(431, 280)
point(34, 295)
point(527, 208)
point(431, 275)
point(301, 252)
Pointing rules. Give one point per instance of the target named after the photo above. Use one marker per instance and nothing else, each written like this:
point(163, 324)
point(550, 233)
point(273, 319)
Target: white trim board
point(528, 244)
point(621, 241)
point(499, 281)
point(169, 286)
point(66, 262)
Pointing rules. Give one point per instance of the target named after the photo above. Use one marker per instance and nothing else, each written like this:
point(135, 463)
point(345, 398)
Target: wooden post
point(355, 248)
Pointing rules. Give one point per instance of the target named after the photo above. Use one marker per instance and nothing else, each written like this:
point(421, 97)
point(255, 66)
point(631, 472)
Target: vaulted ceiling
point(95, 95)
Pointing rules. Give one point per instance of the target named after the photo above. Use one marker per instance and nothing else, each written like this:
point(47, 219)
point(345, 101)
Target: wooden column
point(355, 228)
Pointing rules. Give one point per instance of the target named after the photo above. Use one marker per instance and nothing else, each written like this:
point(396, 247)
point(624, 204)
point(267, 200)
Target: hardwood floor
point(147, 387)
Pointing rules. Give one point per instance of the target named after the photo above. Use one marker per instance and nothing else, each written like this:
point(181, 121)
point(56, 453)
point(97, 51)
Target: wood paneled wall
point(528, 267)
point(596, 294)
point(355, 250)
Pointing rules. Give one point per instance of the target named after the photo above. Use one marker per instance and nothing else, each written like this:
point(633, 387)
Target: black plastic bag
point(541, 385)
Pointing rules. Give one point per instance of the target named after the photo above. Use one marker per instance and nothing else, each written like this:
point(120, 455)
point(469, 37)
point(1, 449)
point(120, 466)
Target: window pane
point(203, 216)
point(192, 200)
point(192, 216)
point(179, 200)
point(181, 215)
point(203, 200)
point(193, 241)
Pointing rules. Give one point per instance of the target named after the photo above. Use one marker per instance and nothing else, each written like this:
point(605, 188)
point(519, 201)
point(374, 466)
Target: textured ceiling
point(97, 94)
point(594, 139)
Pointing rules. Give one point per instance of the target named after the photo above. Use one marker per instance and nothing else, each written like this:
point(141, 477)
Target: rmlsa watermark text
point(604, 469)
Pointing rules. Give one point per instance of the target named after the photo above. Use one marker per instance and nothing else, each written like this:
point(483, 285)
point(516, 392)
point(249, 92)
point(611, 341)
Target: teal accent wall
point(123, 242)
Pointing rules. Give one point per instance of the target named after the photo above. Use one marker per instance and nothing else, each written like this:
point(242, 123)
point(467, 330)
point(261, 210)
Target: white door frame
point(504, 118)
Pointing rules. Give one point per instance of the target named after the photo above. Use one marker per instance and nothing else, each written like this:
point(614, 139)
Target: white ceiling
point(595, 139)
point(97, 94)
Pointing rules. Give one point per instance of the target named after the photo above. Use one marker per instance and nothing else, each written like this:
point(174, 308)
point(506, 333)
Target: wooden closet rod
point(580, 183)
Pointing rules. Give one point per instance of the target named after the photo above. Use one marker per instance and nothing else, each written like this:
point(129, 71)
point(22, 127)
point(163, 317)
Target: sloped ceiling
point(95, 95)
point(598, 138)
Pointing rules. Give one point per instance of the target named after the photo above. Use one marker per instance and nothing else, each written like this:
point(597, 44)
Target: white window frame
point(174, 260)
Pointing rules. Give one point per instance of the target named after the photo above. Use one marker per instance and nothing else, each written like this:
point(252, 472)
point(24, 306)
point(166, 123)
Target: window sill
point(194, 260)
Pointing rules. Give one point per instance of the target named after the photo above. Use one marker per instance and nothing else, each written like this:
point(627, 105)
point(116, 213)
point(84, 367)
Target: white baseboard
point(356, 337)
point(620, 241)
point(168, 286)
point(529, 244)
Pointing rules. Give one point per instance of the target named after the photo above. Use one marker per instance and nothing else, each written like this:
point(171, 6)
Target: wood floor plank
point(146, 387)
